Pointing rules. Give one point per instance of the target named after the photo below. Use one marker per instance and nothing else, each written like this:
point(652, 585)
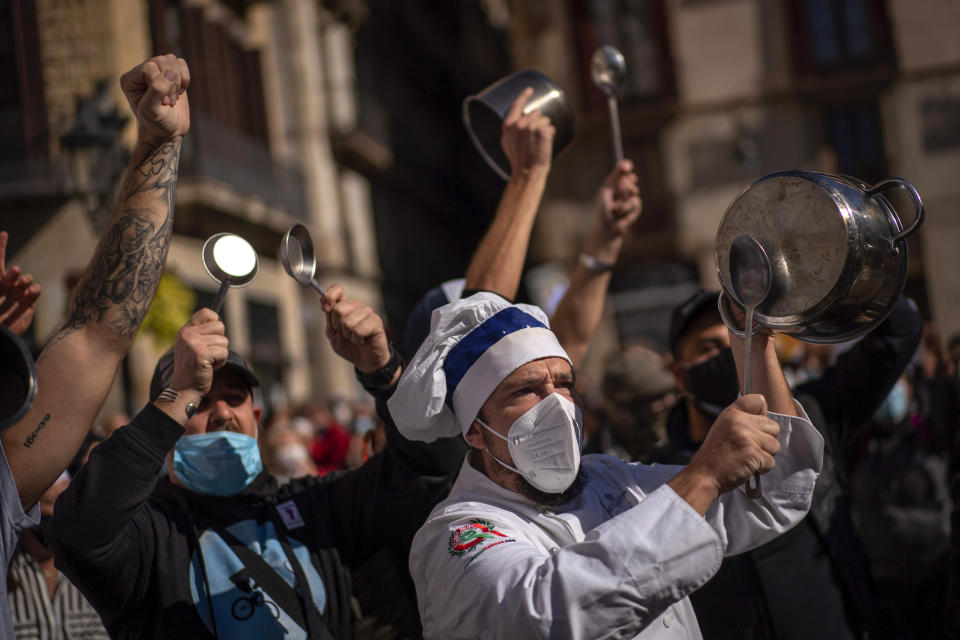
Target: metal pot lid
point(802, 230)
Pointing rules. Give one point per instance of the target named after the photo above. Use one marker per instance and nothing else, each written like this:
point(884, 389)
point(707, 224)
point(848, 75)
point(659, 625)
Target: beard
point(571, 493)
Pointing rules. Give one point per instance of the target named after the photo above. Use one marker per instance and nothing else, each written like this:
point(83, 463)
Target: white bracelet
point(595, 264)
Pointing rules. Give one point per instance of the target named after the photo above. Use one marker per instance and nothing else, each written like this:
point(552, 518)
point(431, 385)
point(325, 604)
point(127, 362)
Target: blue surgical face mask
point(221, 463)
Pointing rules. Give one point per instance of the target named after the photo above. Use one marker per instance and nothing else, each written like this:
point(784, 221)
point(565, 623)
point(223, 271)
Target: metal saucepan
point(298, 258)
point(836, 246)
point(483, 114)
point(231, 261)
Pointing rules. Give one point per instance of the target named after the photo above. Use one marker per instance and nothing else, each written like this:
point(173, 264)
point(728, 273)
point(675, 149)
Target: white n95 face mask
point(545, 444)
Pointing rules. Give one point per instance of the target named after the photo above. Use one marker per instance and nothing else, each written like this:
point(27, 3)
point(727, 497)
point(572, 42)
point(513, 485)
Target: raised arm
point(103, 523)
point(850, 390)
point(578, 314)
point(527, 141)
point(767, 375)
point(745, 437)
point(356, 333)
point(388, 497)
point(77, 367)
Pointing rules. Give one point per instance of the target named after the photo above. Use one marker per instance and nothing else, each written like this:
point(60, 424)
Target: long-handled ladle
point(608, 68)
point(750, 277)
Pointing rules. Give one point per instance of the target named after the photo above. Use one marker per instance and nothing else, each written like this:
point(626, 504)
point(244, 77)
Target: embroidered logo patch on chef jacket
point(472, 539)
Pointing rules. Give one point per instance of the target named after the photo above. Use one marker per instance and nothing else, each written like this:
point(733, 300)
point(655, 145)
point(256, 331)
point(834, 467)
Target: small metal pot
point(484, 113)
point(836, 246)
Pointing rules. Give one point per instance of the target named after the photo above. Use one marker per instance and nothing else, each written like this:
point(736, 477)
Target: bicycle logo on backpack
point(244, 607)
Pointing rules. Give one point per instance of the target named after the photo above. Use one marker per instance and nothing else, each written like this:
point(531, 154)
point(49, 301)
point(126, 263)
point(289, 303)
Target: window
point(638, 28)
point(830, 35)
point(227, 81)
point(855, 133)
point(266, 351)
point(941, 123)
point(23, 113)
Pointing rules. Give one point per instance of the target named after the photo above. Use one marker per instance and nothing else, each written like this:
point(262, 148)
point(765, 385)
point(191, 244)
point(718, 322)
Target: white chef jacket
point(617, 562)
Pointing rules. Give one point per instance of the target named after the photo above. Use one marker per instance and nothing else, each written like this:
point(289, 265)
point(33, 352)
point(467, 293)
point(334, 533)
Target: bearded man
point(535, 542)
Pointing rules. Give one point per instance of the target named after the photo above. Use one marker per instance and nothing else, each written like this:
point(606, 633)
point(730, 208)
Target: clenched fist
point(618, 203)
point(527, 138)
point(201, 349)
point(355, 331)
point(742, 440)
point(157, 93)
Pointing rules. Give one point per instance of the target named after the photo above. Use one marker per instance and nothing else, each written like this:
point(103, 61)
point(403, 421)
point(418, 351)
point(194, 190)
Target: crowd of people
point(483, 490)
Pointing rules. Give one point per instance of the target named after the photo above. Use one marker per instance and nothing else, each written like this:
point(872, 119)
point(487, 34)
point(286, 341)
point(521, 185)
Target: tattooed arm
point(527, 141)
point(77, 367)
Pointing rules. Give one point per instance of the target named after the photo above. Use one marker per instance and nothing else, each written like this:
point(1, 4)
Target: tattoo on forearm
point(33, 435)
point(158, 170)
point(124, 273)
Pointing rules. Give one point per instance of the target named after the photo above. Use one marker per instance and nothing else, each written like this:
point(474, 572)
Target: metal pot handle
point(883, 185)
point(728, 321)
point(725, 315)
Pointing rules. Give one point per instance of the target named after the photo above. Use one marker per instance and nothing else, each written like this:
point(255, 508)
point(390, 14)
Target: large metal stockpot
point(836, 246)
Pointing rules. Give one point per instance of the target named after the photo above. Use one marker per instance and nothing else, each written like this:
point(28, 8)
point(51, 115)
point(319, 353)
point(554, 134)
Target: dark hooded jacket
point(159, 561)
point(815, 577)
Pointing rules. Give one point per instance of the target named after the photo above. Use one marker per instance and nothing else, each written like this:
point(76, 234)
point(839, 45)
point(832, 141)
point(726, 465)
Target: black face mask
point(714, 383)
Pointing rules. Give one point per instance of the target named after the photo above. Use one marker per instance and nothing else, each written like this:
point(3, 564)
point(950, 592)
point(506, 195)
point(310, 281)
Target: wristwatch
point(384, 375)
point(595, 264)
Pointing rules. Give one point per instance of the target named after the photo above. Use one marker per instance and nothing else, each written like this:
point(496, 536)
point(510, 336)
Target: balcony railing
point(214, 150)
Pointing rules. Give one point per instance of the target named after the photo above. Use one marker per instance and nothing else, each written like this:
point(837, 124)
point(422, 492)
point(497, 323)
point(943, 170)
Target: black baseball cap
point(684, 314)
point(164, 371)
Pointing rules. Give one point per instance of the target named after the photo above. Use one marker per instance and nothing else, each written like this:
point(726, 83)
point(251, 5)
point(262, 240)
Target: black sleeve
point(385, 501)
point(102, 535)
point(850, 391)
point(466, 293)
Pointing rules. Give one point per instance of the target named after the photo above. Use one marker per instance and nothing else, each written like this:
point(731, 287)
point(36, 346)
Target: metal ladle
point(298, 258)
point(231, 261)
point(750, 277)
point(608, 68)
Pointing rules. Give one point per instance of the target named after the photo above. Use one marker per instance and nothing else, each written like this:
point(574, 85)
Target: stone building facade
point(726, 91)
point(273, 85)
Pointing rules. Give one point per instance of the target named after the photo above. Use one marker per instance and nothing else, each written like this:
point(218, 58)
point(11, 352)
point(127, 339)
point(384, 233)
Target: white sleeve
point(482, 578)
point(787, 489)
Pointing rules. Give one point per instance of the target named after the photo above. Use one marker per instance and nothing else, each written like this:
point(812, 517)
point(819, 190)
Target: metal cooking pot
point(836, 246)
point(18, 378)
point(483, 114)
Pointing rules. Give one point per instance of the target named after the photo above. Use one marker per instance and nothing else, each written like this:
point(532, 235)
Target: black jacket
point(813, 581)
point(129, 539)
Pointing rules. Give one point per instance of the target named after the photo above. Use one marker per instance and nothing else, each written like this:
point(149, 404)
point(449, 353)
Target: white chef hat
point(473, 344)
